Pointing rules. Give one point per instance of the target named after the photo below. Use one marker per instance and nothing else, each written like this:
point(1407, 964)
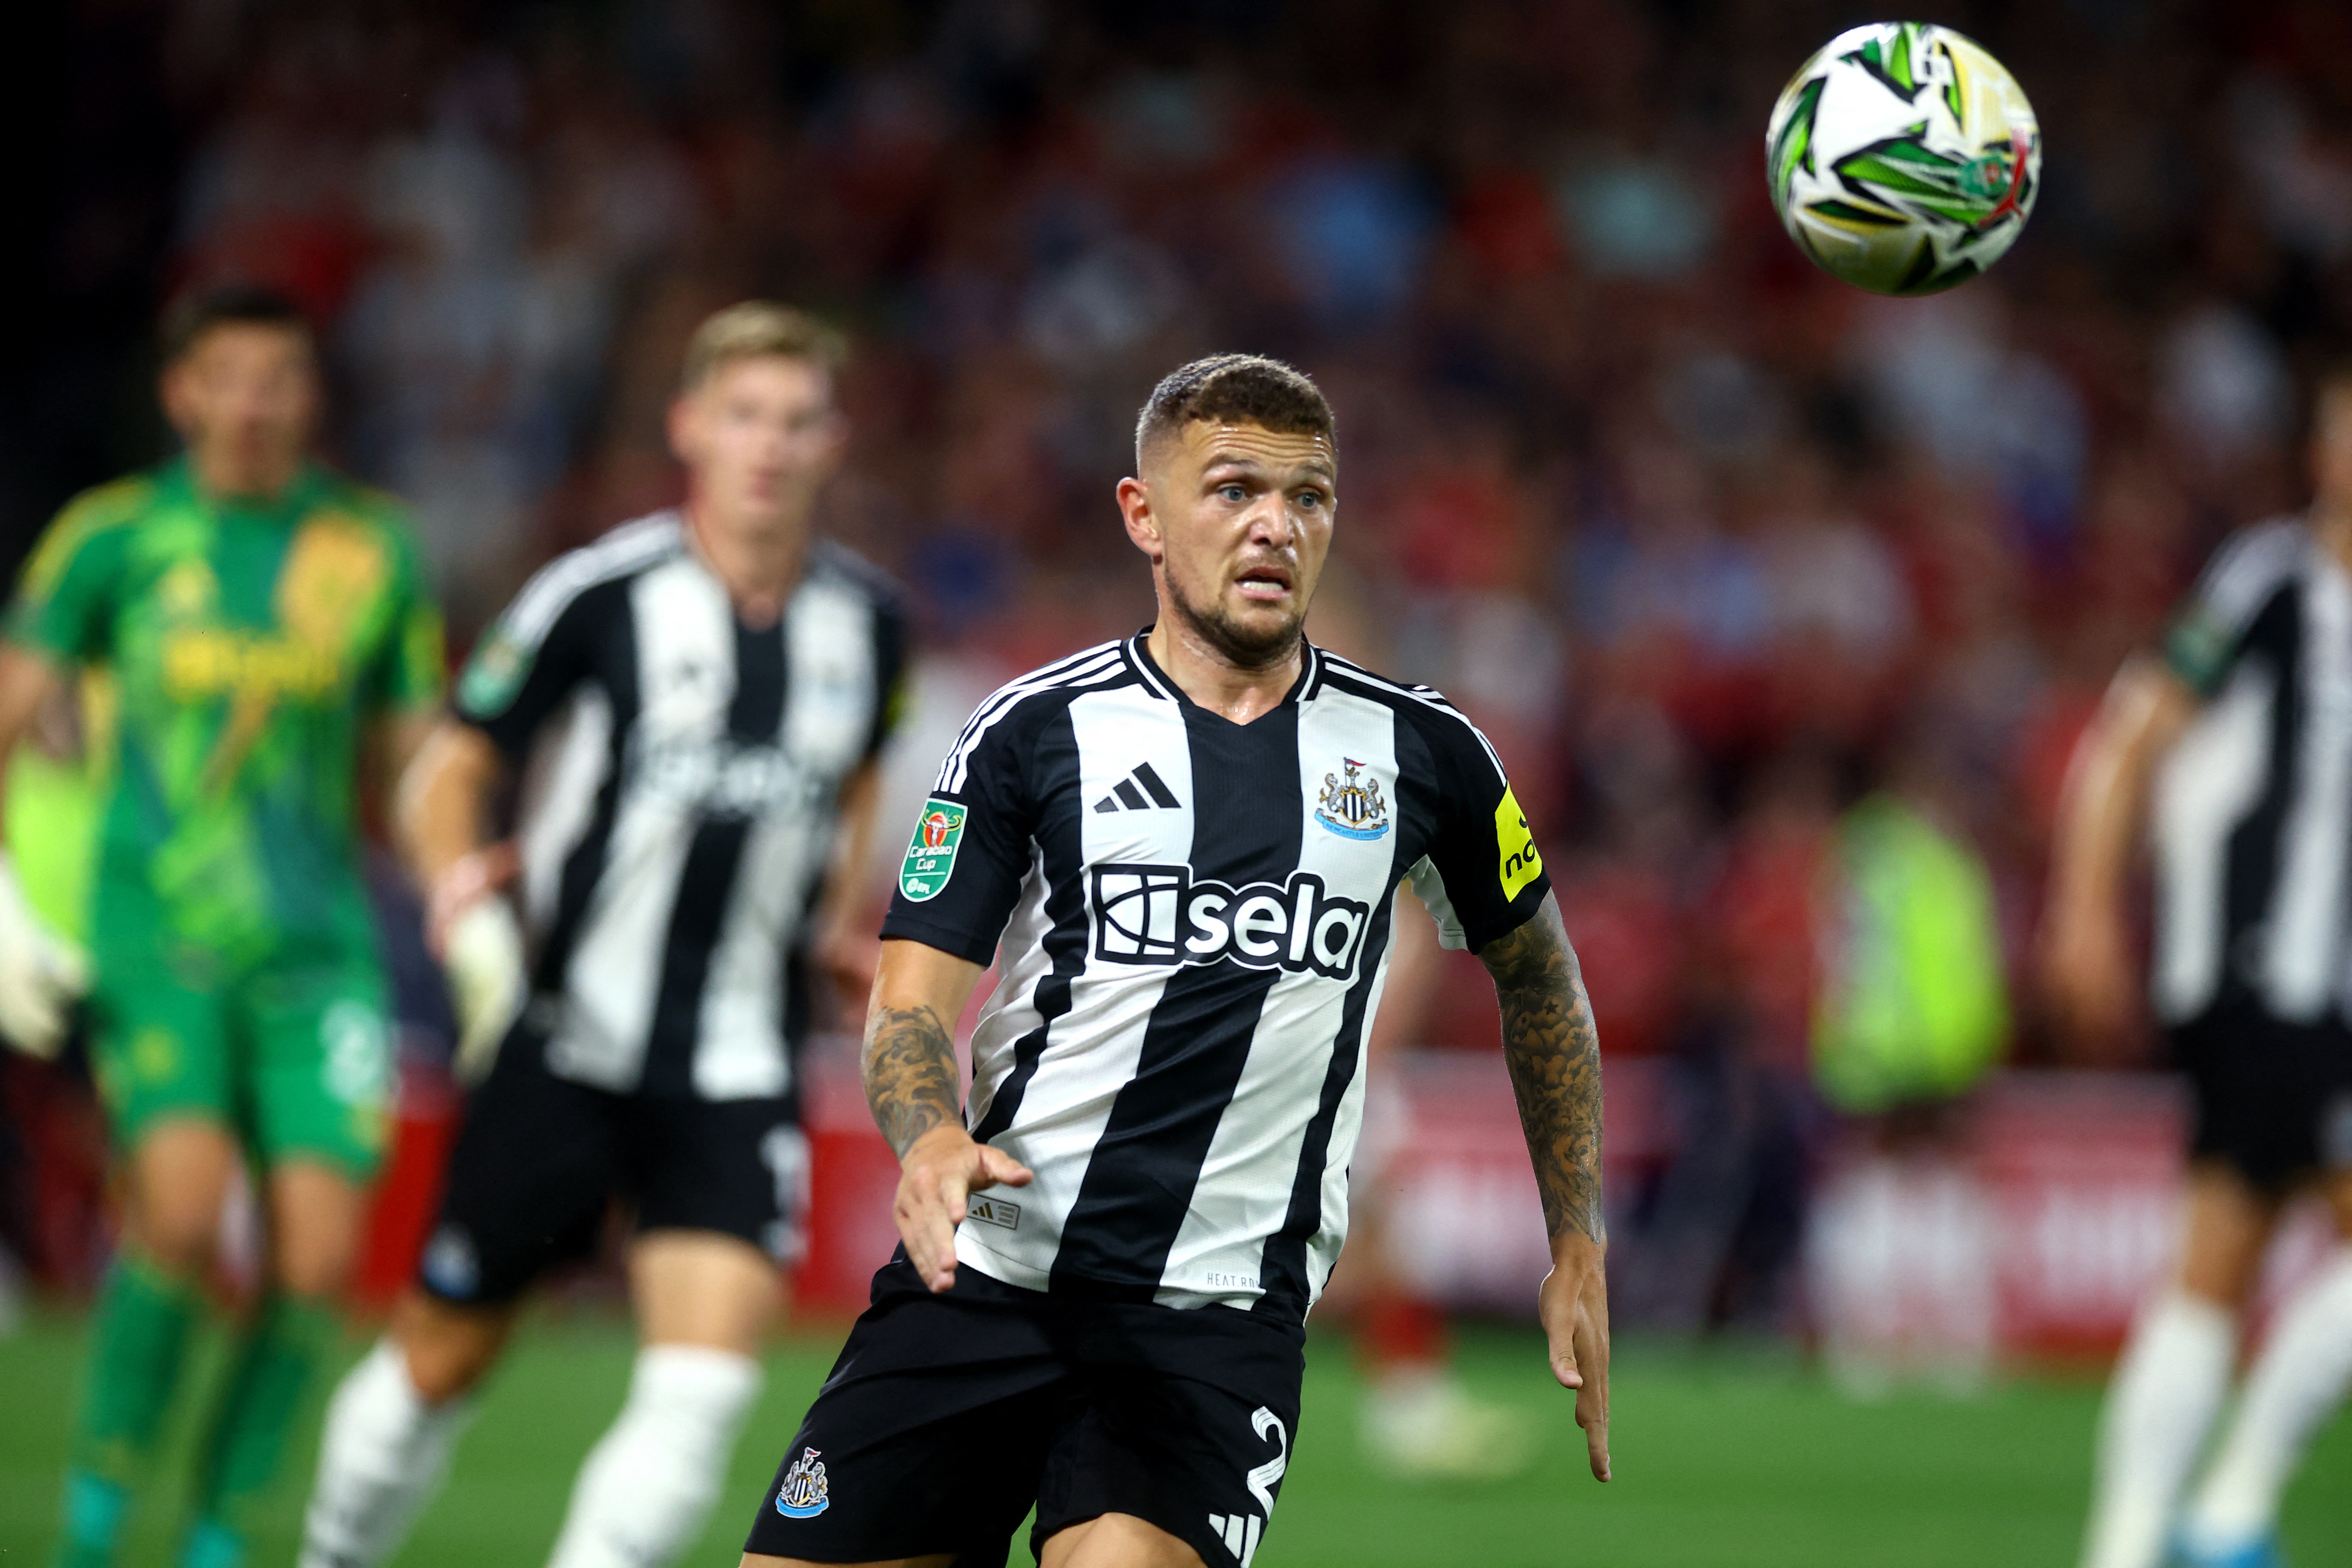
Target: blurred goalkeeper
point(699, 699)
point(2237, 743)
point(268, 634)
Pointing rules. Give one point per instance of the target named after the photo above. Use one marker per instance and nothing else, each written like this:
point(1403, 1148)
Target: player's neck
point(759, 562)
point(2331, 524)
point(232, 479)
point(1211, 678)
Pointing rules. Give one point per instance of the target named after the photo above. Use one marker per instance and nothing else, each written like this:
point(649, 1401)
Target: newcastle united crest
point(1351, 805)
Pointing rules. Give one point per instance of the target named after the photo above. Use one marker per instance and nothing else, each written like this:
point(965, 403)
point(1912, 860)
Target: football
point(1903, 158)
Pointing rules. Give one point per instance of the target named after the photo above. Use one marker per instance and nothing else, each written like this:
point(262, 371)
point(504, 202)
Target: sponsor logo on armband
point(1521, 862)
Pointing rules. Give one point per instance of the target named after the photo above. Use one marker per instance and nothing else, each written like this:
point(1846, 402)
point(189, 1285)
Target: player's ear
point(680, 424)
point(1143, 523)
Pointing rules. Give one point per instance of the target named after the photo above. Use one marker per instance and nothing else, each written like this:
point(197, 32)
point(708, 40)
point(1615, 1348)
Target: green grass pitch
point(1724, 1459)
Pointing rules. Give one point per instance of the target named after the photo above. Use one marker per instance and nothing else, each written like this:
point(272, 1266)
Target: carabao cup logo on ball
point(1903, 158)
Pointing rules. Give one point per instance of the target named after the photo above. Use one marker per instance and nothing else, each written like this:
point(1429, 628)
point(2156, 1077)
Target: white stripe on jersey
point(2212, 778)
point(559, 796)
point(2306, 946)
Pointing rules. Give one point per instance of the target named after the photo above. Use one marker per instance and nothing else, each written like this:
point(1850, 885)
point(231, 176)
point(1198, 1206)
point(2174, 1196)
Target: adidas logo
point(1240, 1531)
point(1138, 791)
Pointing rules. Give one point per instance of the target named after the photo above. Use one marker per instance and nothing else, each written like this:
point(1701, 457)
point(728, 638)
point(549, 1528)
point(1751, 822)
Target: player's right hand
point(42, 974)
point(939, 1171)
point(2086, 973)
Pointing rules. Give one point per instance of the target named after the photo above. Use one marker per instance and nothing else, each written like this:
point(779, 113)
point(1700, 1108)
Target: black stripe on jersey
point(1282, 1271)
point(1140, 1178)
point(706, 884)
point(583, 867)
point(2257, 844)
point(1060, 846)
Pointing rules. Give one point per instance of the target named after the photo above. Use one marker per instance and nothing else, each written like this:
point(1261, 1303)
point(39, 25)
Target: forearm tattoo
point(1554, 1058)
point(909, 1068)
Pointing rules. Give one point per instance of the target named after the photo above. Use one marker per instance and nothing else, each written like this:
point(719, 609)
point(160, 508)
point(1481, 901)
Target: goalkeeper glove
point(483, 958)
point(42, 974)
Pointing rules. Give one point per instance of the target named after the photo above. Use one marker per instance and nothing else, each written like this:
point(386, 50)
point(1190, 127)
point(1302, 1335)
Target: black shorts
point(2274, 1099)
point(947, 1415)
point(539, 1158)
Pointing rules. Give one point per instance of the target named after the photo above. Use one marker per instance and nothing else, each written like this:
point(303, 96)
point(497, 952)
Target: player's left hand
point(1573, 1303)
point(849, 959)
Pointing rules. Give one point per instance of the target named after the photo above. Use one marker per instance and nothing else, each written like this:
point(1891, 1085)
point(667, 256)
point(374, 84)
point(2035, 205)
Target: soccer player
point(1181, 848)
point(703, 693)
point(2237, 744)
point(270, 636)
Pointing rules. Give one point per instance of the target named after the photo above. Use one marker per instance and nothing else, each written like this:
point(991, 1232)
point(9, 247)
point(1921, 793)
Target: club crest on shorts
point(1352, 806)
point(803, 1495)
point(930, 854)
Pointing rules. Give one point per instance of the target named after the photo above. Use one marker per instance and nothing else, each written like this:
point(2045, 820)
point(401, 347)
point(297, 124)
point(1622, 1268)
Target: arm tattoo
point(1554, 1058)
point(911, 1079)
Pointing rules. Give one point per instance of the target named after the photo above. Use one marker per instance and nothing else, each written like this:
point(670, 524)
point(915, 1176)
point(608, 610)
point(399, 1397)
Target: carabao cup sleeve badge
point(931, 853)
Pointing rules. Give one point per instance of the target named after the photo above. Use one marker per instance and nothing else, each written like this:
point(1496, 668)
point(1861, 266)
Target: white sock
point(2300, 1377)
point(2166, 1391)
point(648, 1488)
point(382, 1454)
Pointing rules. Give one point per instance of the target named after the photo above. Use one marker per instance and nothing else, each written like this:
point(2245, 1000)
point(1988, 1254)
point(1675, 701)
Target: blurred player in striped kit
point(699, 698)
point(267, 629)
point(2236, 741)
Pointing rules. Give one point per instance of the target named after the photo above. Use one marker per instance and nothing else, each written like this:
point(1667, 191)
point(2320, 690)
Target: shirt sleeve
point(969, 852)
point(65, 603)
point(2208, 632)
point(525, 665)
point(411, 669)
point(1483, 876)
point(891, 672)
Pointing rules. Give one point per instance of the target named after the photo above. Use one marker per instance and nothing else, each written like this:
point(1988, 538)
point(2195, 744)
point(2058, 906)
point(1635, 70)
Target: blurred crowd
point(1712, 546)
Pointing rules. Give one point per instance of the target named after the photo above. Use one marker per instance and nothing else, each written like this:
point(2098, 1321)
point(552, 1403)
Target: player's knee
point(448, 1350)
point(314, 1264)
point(179, 1235)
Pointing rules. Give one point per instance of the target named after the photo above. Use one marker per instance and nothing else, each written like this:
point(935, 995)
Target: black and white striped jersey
point(1193, 919)
point(680, 801)
point(2252, 811)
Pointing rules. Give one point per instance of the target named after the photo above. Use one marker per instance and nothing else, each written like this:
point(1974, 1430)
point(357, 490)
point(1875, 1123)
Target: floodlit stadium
point(760, 760)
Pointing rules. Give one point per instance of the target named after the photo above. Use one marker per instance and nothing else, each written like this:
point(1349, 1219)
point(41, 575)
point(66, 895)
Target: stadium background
point(1712, 547)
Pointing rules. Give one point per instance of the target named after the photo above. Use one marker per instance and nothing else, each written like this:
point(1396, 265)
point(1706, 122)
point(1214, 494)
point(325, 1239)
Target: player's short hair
point(1236, 389)
point(227, 305)
point(756, 327)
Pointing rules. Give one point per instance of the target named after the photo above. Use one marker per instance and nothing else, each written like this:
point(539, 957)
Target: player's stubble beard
point(1242, 647)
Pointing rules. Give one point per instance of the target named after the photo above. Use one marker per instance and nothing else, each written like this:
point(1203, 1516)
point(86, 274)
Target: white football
point(1903, 158)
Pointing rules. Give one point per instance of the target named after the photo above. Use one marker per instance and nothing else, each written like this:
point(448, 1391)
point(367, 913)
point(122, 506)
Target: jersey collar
point(180, 475)
point(1156, 679)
